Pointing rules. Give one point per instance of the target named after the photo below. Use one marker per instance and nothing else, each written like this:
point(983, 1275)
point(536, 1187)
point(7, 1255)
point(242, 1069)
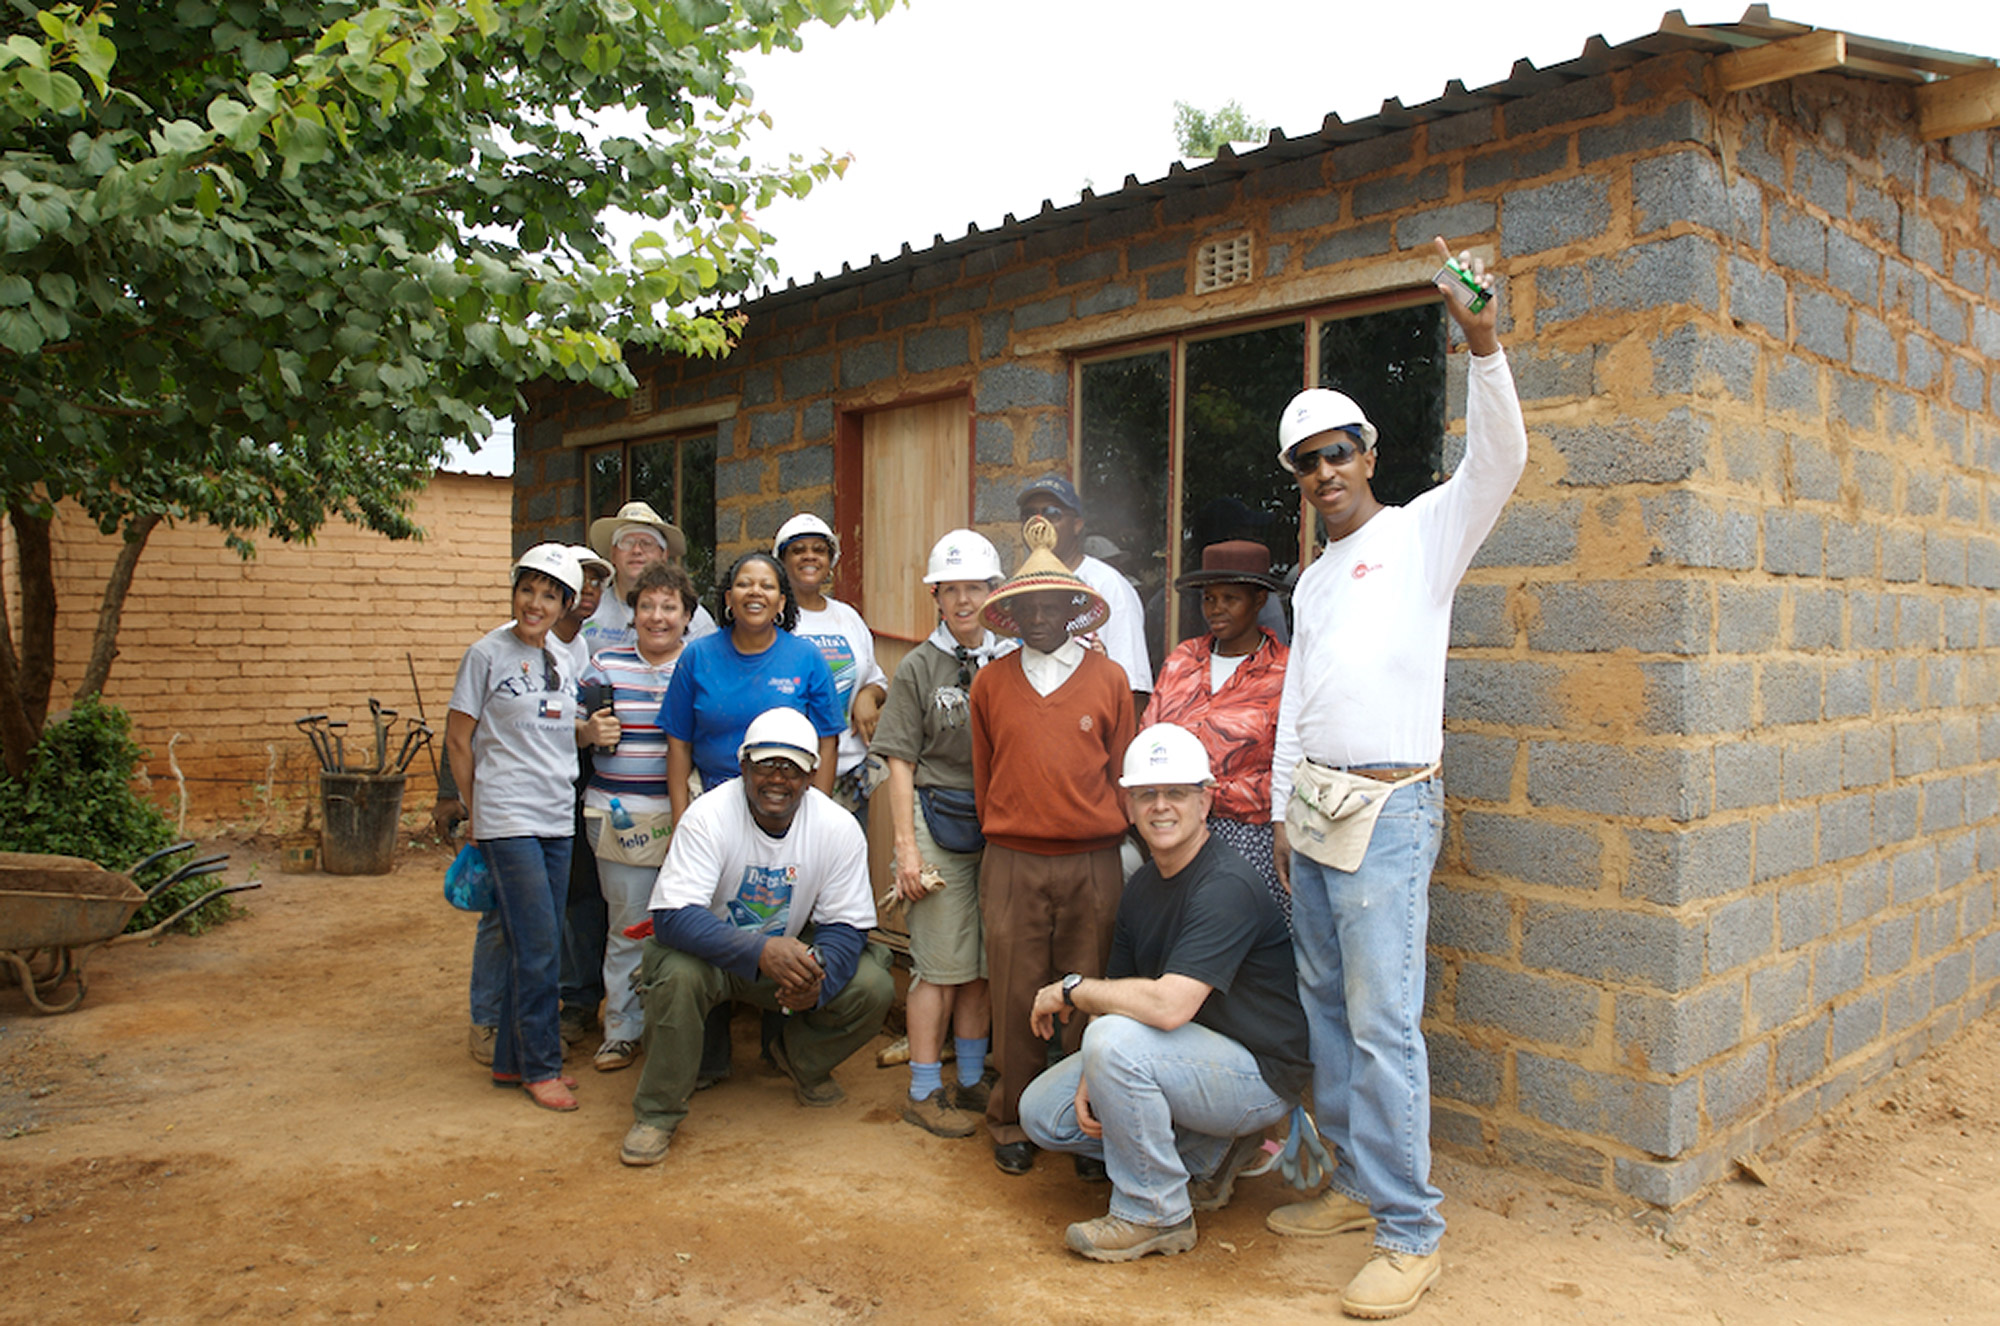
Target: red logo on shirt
point(1362, 568)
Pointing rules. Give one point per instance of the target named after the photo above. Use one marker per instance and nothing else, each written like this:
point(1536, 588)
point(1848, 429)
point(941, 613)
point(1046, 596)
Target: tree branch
point(104, 641)
point(36, 662)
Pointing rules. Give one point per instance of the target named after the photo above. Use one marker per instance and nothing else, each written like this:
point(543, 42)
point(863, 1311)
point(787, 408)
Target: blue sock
point(924, 1079)
point(971, 1058)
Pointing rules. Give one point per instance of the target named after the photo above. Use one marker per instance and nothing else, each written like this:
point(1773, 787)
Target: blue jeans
point(489, 970)
point(1359, 939)
point(530, 880)
point(1170, 1102)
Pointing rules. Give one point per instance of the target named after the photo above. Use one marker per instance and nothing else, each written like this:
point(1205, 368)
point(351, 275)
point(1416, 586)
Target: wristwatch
point(1069, 984)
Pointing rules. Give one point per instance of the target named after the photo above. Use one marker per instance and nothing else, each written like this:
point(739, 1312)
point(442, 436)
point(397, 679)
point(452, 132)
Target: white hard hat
point(1314, 411)
point(963, 554)
point(586, 559)
point(801, 526)
point(1165, 754)
point(554, 560)
point(781, 734)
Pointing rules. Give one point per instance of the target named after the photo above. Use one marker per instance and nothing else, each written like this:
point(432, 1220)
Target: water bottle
point(621, 818)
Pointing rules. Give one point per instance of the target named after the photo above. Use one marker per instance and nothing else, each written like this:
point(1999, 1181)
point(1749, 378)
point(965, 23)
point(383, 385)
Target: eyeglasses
point(1172, 794)
point(965, 668)
point(1049, 512)
point(780, 767)
point(1337, 453)
point(551, 678)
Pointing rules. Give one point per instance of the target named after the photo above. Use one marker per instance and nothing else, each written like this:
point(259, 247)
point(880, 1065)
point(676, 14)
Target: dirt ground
point(278, 1120)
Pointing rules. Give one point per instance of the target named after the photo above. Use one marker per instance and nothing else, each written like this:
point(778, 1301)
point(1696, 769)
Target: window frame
point(1312, 318)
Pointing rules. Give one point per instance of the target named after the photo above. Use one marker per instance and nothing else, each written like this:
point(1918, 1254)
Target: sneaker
point(816, 1095)
point(1320, 1217)
point(895, 1052)
point(1390, 1283)
point(1212, 1192)
point(1090, 1169)
point(1014, 1157)
point(479, 1043)
point(645, 1144)
point(1109, 1239)
point(938, 1116)
point(614, 1055)
point(973, 1099)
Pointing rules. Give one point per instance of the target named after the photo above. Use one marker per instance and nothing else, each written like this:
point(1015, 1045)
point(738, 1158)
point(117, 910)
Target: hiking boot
point(1014, 1157)
point(1320, 1217)
point(614, 1055)
point(577, 1026)
point(645, 1144)
point(1390, 1283)
point(973, 1099)
point(1212, 1192)
point(939, 1117)
point(1109, 1239)
point(479, 1043)
point(815, 1095)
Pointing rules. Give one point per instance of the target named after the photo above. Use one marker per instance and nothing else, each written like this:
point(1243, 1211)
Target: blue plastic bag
point(467, 885)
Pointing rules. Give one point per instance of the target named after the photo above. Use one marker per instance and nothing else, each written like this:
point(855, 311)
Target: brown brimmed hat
point(1044, 573)
point(1233, 562)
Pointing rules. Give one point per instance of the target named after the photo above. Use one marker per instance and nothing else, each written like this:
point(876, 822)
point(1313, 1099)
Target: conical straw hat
point(1043, 572)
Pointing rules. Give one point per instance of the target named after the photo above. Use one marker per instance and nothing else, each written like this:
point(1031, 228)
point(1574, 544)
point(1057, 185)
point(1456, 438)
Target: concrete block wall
point(227, 652)
point(1721, 749)
point(1721, 761)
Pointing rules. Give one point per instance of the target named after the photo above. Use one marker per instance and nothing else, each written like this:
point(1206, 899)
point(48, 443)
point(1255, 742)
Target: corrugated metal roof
point(1868, 57)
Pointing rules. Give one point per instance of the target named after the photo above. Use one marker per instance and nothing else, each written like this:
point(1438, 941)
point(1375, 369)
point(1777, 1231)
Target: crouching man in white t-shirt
point(763, 898)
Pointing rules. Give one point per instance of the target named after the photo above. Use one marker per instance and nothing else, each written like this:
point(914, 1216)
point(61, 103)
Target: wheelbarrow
point(57, 911)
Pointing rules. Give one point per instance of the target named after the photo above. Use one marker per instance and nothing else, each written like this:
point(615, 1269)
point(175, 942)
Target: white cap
point(553, 560)
point(783, 734)
point(963, 554)
point(802, 526)
point(586, 559)
point(1163, 755)
point(1317, 410)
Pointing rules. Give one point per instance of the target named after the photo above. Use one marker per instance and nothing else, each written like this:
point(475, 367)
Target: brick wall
point(1723, 768)
point(228, 652)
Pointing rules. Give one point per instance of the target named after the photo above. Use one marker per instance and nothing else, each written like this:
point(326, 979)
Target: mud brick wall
point(228, 652)
point(1723, 764)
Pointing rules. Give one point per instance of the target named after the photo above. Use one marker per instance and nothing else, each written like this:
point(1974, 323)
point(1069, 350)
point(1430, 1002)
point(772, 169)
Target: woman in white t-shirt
point(809, 550)
point(513, 732)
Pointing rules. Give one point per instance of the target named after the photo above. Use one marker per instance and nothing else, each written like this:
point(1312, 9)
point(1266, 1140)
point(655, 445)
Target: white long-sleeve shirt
point(1372, 616)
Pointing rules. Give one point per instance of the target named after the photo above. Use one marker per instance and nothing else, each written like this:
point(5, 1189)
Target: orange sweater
point(1045, 768)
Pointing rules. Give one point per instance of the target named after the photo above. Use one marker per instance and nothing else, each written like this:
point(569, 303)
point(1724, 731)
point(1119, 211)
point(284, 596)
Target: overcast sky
point(962, 111)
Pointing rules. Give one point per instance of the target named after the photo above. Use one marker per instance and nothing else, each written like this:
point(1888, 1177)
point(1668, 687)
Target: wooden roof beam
point(1964, 103)
point(1773, 62)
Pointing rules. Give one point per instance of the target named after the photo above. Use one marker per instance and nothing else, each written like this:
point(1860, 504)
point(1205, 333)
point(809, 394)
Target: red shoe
point(552, 1094)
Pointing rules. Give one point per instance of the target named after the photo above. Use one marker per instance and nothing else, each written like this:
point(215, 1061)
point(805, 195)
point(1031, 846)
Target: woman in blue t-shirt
point(753, 663)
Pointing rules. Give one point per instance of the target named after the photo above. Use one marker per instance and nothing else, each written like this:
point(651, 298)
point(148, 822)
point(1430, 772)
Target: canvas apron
point(644, 844)
point(1332, 813)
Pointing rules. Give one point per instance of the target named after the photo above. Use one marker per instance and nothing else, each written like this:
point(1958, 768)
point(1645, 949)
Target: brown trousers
point(1045, 916)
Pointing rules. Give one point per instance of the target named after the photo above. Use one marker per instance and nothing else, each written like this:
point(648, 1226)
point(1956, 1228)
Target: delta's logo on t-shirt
point(763, 900)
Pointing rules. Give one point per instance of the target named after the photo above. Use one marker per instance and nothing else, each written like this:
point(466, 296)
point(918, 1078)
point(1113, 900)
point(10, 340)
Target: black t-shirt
point(1216, 923)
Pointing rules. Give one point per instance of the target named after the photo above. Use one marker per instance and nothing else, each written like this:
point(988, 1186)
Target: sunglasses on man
point(1048, 512)
point(1333, 453)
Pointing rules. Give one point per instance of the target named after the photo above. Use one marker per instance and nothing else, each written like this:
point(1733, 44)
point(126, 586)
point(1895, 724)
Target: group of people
point(1152, 1007)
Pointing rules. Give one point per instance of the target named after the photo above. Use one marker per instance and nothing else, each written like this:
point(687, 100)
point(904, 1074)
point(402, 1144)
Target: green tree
point(1201, 133)
point(261, 261)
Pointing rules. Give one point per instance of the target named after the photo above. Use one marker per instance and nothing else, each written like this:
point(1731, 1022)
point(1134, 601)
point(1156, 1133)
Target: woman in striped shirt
point(630, 837)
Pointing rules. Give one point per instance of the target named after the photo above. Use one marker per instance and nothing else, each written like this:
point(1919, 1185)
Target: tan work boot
point(479, 1043)
point(1110, 1239)
point(1320, 1217)
point(1390, 1283)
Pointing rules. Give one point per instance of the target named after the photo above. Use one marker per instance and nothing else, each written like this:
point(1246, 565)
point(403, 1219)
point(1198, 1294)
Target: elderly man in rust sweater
point(1050, 723)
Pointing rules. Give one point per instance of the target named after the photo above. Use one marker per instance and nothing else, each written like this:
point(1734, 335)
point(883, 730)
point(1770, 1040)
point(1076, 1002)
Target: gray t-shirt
point(925, 719)
point(524, 749)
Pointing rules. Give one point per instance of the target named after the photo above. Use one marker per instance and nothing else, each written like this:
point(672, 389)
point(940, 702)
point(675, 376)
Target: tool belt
point(644, 844)
point(1331, 816)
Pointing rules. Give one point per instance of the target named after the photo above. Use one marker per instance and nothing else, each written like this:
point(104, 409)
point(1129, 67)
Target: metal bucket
point(362, 813)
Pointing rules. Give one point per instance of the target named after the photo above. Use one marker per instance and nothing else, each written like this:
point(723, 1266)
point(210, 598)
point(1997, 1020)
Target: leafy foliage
point(77, 798)
point(1201, 133)
point(262, 261)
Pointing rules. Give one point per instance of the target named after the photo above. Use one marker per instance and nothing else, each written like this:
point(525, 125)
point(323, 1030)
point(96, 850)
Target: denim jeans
point(585, 922)
point(1170, 1102)
point(489, 970)
point(530, 878)
point(1359, 939)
